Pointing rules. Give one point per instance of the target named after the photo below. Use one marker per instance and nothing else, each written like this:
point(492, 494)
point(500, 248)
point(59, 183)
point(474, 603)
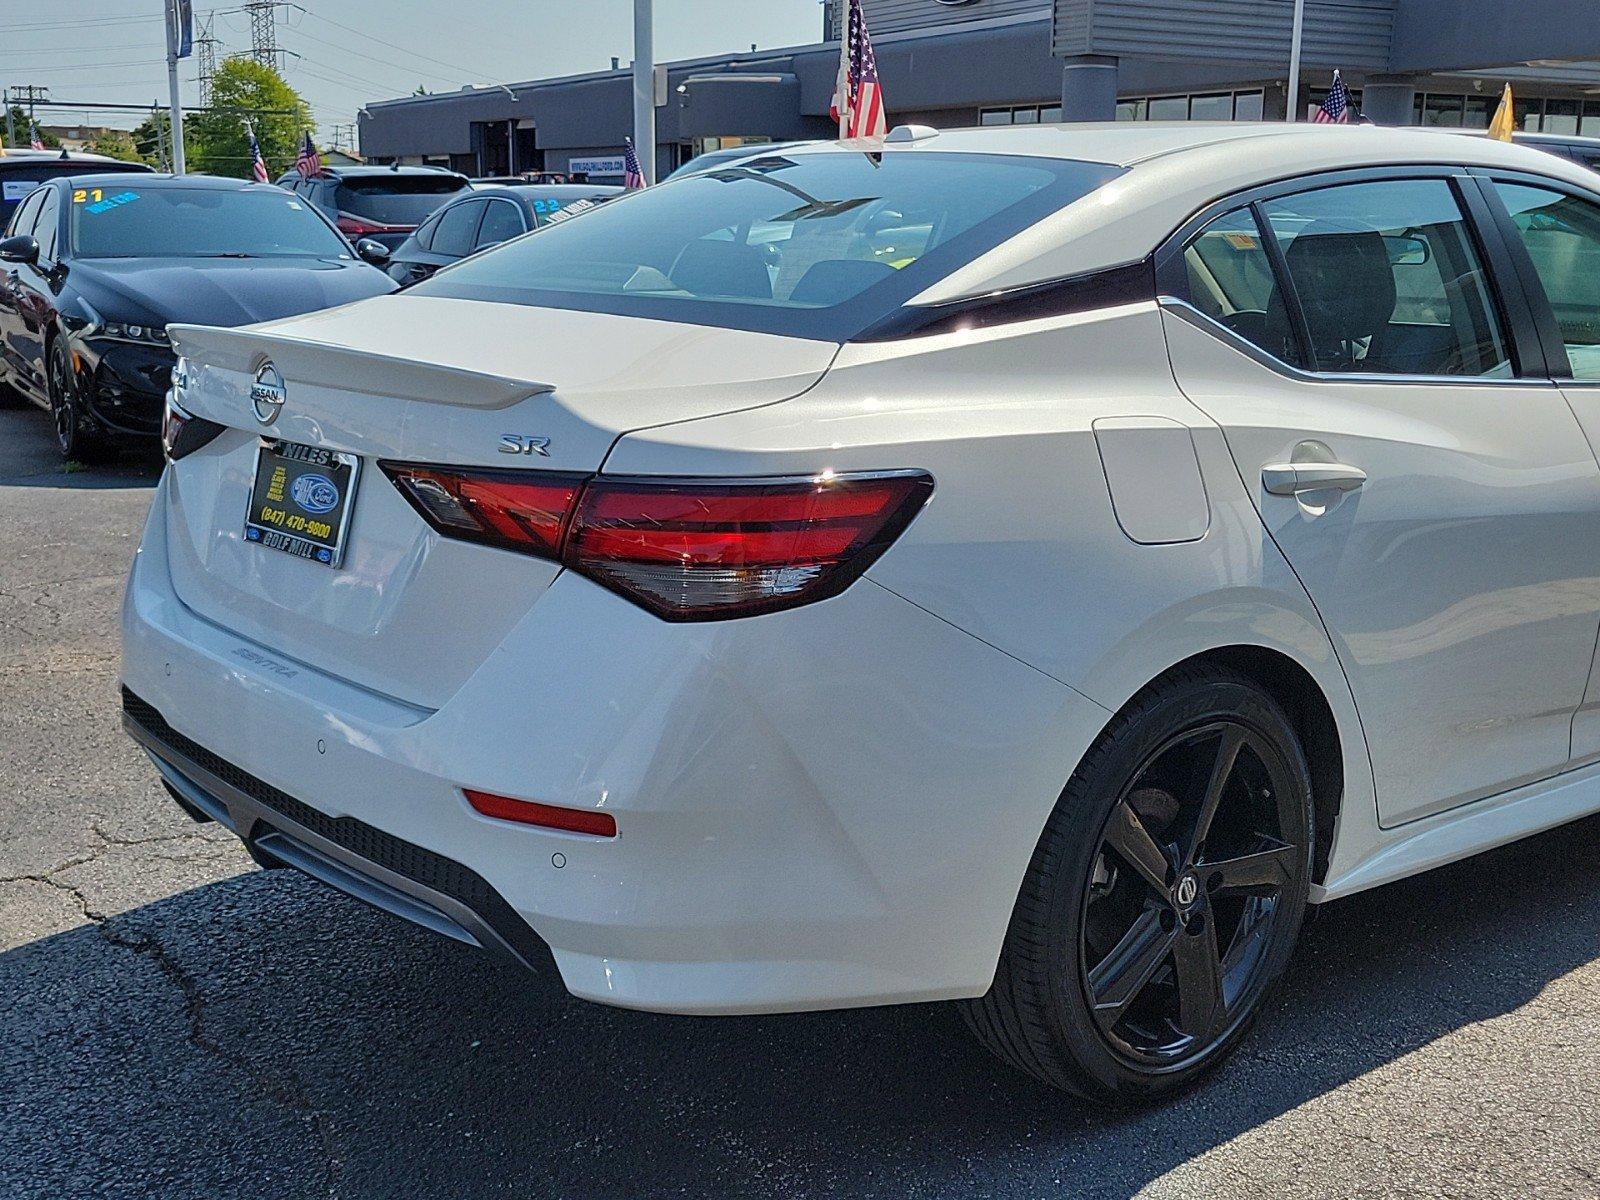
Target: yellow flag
point(1504, 122)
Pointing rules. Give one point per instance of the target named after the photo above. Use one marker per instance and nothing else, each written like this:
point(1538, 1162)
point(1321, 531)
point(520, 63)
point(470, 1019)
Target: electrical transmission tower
point(264, 46)
point(205, 52)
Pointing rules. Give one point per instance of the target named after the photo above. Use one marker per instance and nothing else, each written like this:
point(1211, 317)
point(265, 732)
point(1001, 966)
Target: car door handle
point(1289, 479)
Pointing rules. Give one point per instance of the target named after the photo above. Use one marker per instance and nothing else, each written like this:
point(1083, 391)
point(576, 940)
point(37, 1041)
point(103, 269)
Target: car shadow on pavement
point(262, 1036)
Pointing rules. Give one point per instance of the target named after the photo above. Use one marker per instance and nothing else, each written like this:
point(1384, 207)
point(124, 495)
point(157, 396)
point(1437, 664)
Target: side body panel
point(1461, 583)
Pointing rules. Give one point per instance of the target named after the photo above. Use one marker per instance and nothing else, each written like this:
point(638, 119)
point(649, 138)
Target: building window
point(1203, 106)
point(1021, 114)
point(1532, 115)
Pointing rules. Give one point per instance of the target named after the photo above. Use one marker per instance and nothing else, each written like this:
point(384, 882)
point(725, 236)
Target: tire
point(1231, 890)
point(77, 437)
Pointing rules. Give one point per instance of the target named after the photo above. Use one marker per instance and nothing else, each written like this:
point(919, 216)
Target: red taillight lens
point(355, 227)
point(516, 510)
point(527, 812)
point(692, 550)
point(687, 550)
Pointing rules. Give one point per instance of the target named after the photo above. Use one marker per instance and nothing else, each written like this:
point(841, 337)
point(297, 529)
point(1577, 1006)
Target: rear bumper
point(369, 864)
point(827, 807)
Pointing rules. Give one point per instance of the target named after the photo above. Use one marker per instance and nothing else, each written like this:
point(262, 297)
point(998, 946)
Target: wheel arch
point(1297, 692)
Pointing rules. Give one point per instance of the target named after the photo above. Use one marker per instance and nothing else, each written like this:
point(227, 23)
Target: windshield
point(397, 199)
point(133, 222)
point(813, 245)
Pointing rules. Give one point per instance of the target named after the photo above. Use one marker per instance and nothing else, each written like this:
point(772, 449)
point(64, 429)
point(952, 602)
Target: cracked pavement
point(175, 1023)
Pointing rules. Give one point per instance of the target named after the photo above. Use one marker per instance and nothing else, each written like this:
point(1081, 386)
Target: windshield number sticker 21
point(101, 203)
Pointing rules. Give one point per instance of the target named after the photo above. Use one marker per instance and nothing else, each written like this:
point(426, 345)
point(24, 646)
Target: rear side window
point(1388, 280)
point(1562, 234)
point(819, 244)
point(502, 221)
point(457, 228)
point(396, 199)
point(1230, 280)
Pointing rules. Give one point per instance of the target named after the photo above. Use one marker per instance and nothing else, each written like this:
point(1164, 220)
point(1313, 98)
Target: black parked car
point(96, 266)
point(23, 170)
point(487, 216)
point(382, 203)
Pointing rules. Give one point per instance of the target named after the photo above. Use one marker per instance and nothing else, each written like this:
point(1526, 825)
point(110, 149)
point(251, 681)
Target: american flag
point(1335, 109)
point(308, 162)
point(632, 172)
point(35, 140)
point(258, 165)
point(858, 96)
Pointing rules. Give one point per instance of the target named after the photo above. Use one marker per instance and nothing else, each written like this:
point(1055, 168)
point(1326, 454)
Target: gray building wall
point(1434, 35)
point(897, 16)
point(1352, 34)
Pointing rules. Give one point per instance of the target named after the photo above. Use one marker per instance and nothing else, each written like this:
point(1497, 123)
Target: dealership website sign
point(599, 166)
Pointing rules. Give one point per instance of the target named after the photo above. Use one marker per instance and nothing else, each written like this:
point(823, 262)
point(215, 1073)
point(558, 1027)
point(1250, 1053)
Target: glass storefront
point(1201, 106)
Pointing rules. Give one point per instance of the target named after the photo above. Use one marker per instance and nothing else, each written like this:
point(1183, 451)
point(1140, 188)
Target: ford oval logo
point(315, 493)
point(267, 393)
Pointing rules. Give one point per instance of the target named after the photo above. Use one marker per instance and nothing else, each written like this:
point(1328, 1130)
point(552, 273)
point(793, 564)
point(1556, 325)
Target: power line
point(471, 71)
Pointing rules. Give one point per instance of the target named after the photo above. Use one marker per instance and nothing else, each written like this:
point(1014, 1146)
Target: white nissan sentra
point(1019, 566)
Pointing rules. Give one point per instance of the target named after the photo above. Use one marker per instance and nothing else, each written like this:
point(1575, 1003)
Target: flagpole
point(644, 88)
point(1293, 105)
point(175, 101)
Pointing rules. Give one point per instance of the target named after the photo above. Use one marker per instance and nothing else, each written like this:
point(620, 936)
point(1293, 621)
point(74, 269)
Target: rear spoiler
point(310, 361)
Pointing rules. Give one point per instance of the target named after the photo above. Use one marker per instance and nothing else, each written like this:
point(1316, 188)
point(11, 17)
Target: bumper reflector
point(526, 812)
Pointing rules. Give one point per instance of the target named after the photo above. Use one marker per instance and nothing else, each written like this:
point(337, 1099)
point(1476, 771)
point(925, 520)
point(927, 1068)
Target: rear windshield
point(17, 181)
point(179, 222)
point(817, 245)
point(397, 199)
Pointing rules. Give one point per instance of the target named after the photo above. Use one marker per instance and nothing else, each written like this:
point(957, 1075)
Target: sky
point(355, 51)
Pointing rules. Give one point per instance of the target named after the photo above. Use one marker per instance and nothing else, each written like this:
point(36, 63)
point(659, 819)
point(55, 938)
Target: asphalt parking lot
point(175, 1023)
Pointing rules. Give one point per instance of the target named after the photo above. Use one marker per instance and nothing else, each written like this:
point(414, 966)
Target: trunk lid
point(427, 379)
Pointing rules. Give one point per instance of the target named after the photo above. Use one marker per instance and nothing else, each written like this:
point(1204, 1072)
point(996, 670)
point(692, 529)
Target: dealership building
point(950, 63)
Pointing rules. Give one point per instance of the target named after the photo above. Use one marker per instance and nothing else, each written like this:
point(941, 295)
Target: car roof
point(211, 183)
point(365, 171)
point(531, 191)
point(1172, 170)
point(35, 158)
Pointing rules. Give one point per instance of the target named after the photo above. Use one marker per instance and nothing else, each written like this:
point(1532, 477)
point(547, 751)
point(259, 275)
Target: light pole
point(1293, 105)
point(175, 101)
point(644, 88)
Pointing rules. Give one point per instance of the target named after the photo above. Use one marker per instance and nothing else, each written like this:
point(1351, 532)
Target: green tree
point(19, 122)
point(217, 142)
point(150, 138)
point(116, 143)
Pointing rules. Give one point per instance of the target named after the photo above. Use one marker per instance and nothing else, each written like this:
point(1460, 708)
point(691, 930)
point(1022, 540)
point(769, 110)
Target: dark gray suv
point(382, 203)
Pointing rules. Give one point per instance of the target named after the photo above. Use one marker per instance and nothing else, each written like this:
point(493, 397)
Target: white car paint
point(835, 804)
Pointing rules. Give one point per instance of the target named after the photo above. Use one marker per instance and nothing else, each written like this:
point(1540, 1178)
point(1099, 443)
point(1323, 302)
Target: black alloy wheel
point(75, 437)
point(1165, 896)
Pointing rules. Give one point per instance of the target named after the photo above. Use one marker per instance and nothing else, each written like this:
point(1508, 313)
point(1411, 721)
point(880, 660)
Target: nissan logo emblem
point(267, 393)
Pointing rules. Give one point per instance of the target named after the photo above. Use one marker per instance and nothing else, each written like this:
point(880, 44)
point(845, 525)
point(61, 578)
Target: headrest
point(712, 268)
point(835, 280)
point(1345, 283)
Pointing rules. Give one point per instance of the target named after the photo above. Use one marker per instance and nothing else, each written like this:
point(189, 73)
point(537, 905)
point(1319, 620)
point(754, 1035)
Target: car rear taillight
point(686, 549)
point(356, 227)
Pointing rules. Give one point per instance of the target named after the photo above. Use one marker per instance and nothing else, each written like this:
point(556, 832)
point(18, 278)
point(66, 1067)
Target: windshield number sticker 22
point(101, 202)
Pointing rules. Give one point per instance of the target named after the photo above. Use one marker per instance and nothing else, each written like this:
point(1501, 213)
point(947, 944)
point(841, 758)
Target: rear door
point(1552, 229)
point(1388, 404)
